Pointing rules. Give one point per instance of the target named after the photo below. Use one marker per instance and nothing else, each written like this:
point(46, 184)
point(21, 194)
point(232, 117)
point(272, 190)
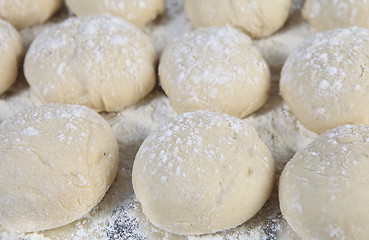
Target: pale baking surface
point(118, 216)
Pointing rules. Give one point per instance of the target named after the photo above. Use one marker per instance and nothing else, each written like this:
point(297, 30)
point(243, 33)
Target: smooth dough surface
point(102, 62)
point(331, 14)
point(24, 13)
point(11, 50)
point(57, 161)
point(138, 12)
point(202, 172)
point(325, 80)
point(324, 189)
point(259, 18)
point(214, 68)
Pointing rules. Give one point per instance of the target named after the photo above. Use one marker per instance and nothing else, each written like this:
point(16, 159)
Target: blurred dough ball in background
point(57, 161)
point(331, 14)
point(258, 18)
point(325, 80)
point(102, 62)
point(214, 68)
point(11, 51)
point(24, 13)
point(202, 172)
point(138, 12)
point(324, 189)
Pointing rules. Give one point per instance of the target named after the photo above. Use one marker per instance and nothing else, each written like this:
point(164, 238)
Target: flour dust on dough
point(325, 80)
point(138, 12)
point(24, 13)
point(102, 62)
point(11, 51)
point(202, 172)
point(257, 18)
point(214, 68)
point(323, 189)
point(330, 14)
point(57, 162)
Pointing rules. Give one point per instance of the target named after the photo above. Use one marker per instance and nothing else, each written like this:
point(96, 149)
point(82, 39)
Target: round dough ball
point(202, 172)
point(325, 79)
point(258, 18)
point(57, 161)
point(138, 12)
point(331, 14)
point(24, 13)
point(102, 62)
point(214, 68)
point(324, 189)
point(11, 50)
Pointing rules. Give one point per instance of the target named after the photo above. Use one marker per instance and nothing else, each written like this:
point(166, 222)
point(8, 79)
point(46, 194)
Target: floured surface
point(118, 216)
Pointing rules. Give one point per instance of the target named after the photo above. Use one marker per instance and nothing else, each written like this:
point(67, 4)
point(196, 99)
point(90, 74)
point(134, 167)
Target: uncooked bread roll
point(325, 80)
point(214, 68)
point(323, 190)
point(258, 18)
point(202, 172)
point(10, 53)
point(331, 14)
point(57, 161)
point(102, 62)
point(24, 13)
point(138, 12)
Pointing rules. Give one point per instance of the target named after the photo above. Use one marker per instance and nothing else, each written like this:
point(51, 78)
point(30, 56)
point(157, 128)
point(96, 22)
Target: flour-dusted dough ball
point(325, 80)
point(202, 172)
point(102, 62)
point(138, 12)
point(57, 161)
point(259, 18)
point(331, 14)
point(11, 49)
point(324, 189)
point(214, 68)
point(24, 13)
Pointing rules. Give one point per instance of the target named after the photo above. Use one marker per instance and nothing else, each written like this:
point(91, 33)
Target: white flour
point(118, 216)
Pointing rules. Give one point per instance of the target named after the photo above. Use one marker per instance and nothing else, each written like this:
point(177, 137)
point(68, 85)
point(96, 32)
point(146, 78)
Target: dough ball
point(323, 190)
point(11, 50)
point(57, 162)
point(214, 68)
point(138, 12)
point(331, 14)
point(24, 13)
point(202, 172)
point(258, 18)
point(101, 62)
point(325, 80)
